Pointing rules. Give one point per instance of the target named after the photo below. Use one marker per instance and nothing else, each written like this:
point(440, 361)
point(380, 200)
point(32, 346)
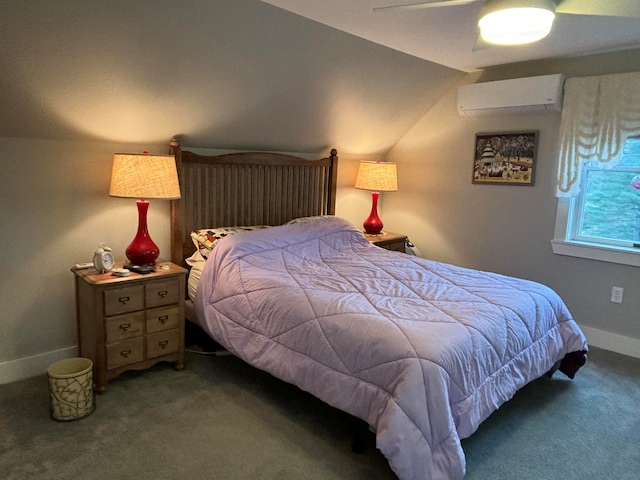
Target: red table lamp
point(144, 176)
point(376, 176)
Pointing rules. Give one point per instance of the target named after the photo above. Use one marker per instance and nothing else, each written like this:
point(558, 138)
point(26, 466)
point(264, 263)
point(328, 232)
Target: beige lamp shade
point(379, 176)
point(144, 176)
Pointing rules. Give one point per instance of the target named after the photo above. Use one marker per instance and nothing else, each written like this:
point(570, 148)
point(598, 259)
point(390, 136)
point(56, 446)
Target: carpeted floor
point(221, 419)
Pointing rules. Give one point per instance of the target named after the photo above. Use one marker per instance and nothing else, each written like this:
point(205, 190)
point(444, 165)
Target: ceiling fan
point(517, 22)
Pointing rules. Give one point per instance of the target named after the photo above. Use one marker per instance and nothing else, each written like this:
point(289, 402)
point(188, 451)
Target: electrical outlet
point(616, 294)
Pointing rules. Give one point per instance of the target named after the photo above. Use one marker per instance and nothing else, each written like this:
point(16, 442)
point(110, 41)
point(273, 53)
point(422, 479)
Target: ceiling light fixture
point(516, 22)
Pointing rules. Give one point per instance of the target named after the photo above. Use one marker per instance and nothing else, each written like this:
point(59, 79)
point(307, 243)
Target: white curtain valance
point(598, 115)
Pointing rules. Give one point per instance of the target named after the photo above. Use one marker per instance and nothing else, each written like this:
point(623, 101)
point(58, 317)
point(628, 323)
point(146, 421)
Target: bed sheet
point(422, 351)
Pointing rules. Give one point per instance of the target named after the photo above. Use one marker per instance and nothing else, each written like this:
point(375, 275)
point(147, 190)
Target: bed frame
point(242, 189)
point(252, 188)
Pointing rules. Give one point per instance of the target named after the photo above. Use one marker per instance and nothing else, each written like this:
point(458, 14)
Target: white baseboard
point(612, 342)
point(21, 368)
point(26, 367)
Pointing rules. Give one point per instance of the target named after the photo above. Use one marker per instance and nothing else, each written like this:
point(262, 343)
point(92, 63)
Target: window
point(598, 188)
point(607, 211)
point(602, 222)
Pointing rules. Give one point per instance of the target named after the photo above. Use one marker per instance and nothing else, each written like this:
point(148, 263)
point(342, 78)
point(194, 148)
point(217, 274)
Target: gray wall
point(507, 229)
point(82, 80)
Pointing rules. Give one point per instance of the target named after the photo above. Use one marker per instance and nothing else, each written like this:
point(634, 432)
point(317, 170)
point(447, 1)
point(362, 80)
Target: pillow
point(308, 219)
point(195, 259)
point(197, 263)
point(207, 238)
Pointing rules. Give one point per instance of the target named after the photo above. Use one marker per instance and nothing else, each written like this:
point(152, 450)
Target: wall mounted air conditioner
point(520, 95)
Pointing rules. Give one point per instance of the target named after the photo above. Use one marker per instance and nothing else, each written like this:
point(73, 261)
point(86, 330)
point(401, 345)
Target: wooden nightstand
point(388, 240)
point(130, 323)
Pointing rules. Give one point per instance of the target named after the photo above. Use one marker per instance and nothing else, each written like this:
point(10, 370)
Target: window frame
point(577, 209)
point(561, 245)
point(567, 240)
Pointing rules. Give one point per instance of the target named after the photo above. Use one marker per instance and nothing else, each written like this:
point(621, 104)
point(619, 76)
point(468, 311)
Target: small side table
point(130, 323)
point(388, 240)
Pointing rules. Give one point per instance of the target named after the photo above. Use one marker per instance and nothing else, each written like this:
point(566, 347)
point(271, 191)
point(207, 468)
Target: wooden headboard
point(242, 189)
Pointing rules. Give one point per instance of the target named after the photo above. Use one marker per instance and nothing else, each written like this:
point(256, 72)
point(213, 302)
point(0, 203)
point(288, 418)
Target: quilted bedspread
point(422, 351)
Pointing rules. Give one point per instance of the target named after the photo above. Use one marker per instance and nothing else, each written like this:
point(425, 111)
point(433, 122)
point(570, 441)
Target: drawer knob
point(163, 344)
point(163, 293)
point(125, 353)
point(123, 300)
point(125, 327)
point(163, 318)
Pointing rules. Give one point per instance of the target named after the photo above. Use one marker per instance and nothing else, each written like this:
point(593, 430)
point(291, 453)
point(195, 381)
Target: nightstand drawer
point(162, 293)
point(123, 327)
point(132, 322)
point(163, 318)
point(123, 300)
point(125, 353)
point(389, 241)
point(395, 246)
point(163, 343)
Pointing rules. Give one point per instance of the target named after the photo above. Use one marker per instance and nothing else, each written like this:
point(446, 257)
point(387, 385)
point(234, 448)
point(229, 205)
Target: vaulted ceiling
point(230, 74)
point(223, 74)
point(448, 35)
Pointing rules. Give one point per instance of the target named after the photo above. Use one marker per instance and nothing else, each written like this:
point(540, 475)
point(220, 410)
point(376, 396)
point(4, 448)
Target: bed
point(422, 351)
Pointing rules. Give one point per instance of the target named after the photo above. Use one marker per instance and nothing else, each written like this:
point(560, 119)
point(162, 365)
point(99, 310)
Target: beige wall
point(228, 74)
point(55, 210)
point(507, 229)
point(247, 75)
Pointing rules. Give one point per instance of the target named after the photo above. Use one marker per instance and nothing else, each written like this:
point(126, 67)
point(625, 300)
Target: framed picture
point(505, 158)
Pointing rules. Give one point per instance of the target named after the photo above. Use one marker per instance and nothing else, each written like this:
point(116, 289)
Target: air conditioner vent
point(521, 95)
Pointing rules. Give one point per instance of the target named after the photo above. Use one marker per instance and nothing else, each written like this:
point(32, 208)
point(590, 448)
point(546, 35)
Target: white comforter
point(422, 351)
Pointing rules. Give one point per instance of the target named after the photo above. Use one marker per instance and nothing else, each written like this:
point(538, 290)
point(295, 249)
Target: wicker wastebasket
point(71, 388)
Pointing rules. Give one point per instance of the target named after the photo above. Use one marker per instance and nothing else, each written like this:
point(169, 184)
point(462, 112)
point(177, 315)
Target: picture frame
point(505, 158)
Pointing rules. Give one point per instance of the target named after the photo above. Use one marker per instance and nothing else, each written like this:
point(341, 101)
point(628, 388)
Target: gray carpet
point(221, 419)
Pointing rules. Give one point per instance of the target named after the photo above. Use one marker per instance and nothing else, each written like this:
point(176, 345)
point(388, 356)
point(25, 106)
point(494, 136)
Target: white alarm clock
point(103, 259)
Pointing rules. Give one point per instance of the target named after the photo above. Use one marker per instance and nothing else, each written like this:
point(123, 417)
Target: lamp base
point(142, 251)
point(373, 225)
